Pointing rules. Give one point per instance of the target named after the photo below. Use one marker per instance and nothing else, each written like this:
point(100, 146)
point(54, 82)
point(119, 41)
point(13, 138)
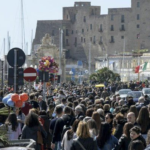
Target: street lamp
point(71, 73)
point(2, 69)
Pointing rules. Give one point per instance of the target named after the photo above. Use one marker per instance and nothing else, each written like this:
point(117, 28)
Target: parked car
point(123, 93)
point(146, 91)
point(135, 95)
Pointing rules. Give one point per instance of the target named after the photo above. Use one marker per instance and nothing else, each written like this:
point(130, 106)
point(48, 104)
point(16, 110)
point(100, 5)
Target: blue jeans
point(58, 145)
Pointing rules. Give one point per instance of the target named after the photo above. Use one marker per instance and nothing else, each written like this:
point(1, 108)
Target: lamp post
point(2, 70)
point(71, 73)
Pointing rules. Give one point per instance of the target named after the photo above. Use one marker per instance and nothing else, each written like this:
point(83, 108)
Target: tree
point(105, 75)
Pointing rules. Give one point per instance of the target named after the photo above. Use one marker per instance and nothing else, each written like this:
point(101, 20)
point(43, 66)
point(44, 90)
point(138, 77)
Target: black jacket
point(43, 105)
point(119, 128)
point(88, 144)
point(139, 138)
point(123, 143)
point(59, 125)
point(31, 133)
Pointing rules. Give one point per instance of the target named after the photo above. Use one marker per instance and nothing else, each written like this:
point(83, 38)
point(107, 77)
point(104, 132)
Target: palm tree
point(105, 75)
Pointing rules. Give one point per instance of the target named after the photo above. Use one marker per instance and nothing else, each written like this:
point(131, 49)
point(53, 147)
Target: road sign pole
point(29, 87)
point(15, 70)
point(44, 86)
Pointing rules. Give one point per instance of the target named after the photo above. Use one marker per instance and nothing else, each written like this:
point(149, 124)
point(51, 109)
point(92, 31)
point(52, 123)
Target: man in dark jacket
point(42, 103)
point(59, 126)
point(140, 103)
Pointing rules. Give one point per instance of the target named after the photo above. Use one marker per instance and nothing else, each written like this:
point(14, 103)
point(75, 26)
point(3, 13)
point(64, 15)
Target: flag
point(141, 67)
point(138, 36)
point(145, 66)
point(137, 69)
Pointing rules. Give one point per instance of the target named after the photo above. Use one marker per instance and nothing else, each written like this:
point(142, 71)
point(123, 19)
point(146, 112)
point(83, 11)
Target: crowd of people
point(81, 117)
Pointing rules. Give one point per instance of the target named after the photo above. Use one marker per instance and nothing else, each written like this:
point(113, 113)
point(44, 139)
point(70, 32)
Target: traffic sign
point(19, 80)
point(30, 74)
point(21, 57)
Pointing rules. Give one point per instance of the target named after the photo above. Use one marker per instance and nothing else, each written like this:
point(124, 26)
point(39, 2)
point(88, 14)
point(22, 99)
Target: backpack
point(67, 127)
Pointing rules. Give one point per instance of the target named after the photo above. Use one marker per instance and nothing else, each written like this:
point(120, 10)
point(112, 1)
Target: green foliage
point(105, 75)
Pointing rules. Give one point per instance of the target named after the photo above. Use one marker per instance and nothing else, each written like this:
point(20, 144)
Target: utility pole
point(4, 61)
point(8, 46)
point(22, 27)
point(2, 85)
point(60, 52)
point(123, 56)
point(89, 58)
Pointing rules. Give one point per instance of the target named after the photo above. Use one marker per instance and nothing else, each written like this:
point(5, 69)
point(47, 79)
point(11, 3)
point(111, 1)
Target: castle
point(84, 28)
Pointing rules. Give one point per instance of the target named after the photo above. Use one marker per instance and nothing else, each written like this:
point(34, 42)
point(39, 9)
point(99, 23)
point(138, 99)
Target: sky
point(10, 17)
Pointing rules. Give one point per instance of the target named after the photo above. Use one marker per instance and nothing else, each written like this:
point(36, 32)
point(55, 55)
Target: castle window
point(67, 33)
point(72, 31)
point(67, 43)
point(82, 5)
point(101, 28)
point(122, 19)
point(122, 37)
point(53, 33)
point(91, 39)
point(84, 19)
point(138, 4)
point(112, 17)
point(112, 28)
point(138, 17)
point(77, 5)
point(92, 12)
point(67, 17)
point(74, 16)
point(112, 39)
point(82, 30)
point(84, 40)
point(122, 28)
point(138, 26)
point(81, 39)
point(94, 40)
point(91, 26)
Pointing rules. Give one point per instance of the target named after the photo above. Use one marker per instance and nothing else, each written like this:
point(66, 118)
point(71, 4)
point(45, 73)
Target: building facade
point(88, 32)
point(125, 65)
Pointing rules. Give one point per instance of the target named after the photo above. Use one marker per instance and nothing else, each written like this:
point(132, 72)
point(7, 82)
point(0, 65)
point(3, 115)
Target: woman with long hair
point(69, 136)
point(96, 117)
point(134, 110)
point(83, 141)
point(92, 128)
point(148, 141)
point(105, 140)
point(144, 121)
point(20, 117)
point(125, 138)
point(12, 127)
point(33, 129)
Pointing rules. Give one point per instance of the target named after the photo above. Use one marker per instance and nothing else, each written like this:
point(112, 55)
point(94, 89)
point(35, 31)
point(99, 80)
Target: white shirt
point(12, 135)
point(67, 144)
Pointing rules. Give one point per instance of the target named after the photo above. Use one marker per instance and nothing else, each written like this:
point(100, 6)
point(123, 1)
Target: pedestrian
point(135, 134)
point(33, 130)
point(83, 140)
point(12, 127)
point(105, 140)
